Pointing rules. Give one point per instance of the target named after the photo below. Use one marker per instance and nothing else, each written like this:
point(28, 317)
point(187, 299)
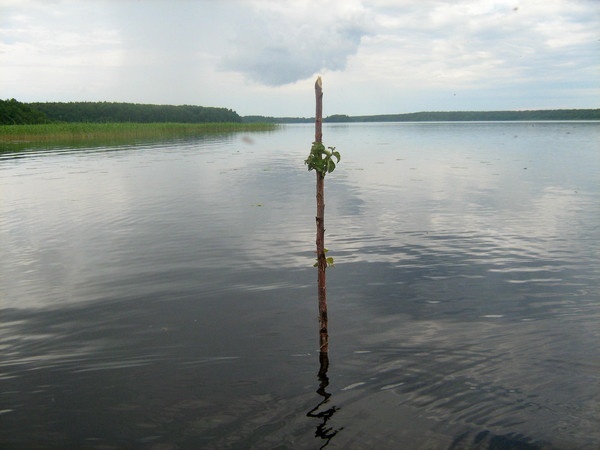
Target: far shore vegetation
point(89, 124)
point(82, 132)
point(445, 116)
point(102, 123)
point(13, 112)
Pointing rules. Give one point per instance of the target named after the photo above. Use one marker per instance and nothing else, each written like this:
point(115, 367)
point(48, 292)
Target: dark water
point(164, 297)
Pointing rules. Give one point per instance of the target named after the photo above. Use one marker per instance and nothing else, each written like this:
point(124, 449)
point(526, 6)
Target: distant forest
point(133, 112)
point(14, 112)
point(446, 116)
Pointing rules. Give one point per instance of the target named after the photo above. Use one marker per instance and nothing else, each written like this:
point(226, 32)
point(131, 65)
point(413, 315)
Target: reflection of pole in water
point(323, 431)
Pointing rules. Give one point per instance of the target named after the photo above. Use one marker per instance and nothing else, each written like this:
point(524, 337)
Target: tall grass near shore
point(110, 133)
point(91, 130)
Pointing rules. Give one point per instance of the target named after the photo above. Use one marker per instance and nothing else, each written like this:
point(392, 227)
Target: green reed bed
point(85, 132)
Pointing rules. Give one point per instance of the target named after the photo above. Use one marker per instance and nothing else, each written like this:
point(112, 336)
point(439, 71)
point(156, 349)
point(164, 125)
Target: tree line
point(133, 112)
point(445, 116)
point(14, 112)
point(471, 116)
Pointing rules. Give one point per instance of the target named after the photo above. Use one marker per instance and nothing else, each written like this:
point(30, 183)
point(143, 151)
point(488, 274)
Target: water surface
point(163, 296)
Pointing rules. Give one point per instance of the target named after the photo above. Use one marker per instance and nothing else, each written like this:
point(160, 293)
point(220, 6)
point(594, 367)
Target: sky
point(261, 57)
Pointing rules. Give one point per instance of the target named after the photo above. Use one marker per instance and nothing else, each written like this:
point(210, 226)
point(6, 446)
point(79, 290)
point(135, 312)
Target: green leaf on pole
point(320, 159)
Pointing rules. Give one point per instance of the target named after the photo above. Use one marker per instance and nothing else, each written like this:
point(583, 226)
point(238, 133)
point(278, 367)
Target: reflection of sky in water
point(466, 271)
point(513, 209)
point(450, 200)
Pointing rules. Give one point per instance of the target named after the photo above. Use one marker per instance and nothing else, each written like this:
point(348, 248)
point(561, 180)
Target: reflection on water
point(163, 296)
point(324, 411)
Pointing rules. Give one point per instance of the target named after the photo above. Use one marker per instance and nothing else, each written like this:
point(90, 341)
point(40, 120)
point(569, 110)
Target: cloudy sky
point(262, 56)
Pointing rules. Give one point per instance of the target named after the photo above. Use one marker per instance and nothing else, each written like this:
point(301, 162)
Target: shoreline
point(87, 132)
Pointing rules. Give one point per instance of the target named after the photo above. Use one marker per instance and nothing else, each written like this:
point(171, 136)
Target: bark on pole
point(320, 218)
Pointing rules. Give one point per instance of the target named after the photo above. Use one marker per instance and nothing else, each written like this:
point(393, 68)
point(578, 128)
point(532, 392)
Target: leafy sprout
point(321, 158)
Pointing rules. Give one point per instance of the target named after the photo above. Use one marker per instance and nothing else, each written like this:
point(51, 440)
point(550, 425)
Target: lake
point(163, 296)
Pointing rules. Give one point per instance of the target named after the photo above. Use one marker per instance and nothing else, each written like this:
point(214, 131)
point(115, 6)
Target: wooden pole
point(320, 219)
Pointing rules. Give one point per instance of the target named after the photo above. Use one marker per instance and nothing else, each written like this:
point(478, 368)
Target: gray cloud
point(275, 48)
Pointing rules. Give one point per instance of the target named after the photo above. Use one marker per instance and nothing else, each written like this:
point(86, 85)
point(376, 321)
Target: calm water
point(163, 296)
